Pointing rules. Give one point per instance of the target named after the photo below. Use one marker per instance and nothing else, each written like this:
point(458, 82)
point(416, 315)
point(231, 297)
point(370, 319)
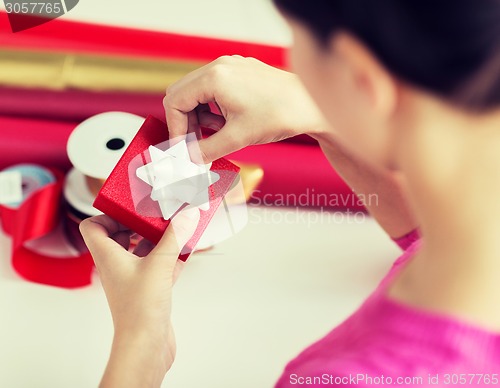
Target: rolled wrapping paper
point(78, 105)
point(75, 37)
point(38, 83)
point(44, 142)
point(69, 71)
point(24, 140)
point(297, 175)
point(36, 220)
point(23, 19)
point(251, 176)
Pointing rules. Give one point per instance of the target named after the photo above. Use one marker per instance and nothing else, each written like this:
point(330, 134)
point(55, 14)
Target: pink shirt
point(388, 343)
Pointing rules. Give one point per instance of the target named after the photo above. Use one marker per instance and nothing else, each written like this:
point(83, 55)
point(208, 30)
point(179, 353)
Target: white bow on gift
point(176, 180)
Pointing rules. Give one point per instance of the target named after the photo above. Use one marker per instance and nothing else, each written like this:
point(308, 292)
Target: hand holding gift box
point(151, 184)
point(176, 180)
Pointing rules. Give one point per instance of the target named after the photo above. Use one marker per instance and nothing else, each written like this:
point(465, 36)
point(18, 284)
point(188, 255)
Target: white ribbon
point(176, 180)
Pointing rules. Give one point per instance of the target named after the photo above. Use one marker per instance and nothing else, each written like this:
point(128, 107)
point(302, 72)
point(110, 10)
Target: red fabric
point(61, 35)
point(35, 218)
point(115, 197)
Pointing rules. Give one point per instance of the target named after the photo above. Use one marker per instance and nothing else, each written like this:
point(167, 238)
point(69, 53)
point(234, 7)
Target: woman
point(400, 88)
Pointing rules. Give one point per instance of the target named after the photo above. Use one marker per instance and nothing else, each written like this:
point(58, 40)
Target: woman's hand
point(258, 104)
point(138, 287)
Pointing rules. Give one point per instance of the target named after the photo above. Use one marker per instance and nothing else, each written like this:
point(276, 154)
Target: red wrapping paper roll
point(61, 35)
point(79, 105)
point(75, 105)
point(75, 37)
point(297, 175)
point(34, 141)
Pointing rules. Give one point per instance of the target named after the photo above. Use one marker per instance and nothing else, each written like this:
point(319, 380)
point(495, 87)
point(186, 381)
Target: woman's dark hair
point(448, 47)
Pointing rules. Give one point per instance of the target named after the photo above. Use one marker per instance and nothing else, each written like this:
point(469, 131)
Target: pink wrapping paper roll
point(75, 105)
point(34, 141)
point(79, 105)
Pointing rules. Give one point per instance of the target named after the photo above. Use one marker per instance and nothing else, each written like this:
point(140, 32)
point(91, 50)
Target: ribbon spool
point(46, 250)
point(31, 178)
point(79, 199)
point(97, 144)
point(40, 252)
point(94, 148)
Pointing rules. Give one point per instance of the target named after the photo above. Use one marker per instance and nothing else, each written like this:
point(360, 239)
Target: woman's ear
point(369, 76)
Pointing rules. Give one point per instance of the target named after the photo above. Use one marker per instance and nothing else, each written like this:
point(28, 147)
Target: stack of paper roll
point(63, 72)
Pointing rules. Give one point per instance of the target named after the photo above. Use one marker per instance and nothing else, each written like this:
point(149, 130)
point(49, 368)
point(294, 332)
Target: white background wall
point(251, 20)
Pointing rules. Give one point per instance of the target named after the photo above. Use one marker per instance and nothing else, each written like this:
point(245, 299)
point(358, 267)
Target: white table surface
point(242, 310)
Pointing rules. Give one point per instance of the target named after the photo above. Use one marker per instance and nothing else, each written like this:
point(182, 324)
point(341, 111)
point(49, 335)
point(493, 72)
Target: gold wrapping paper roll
point(61, 71)
point(251, 177)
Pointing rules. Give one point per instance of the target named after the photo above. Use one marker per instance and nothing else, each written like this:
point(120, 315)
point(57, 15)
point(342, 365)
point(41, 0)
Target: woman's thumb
point(178, 233)
point(224, 142)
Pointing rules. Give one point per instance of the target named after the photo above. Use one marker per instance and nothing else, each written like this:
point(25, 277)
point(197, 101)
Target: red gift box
point(116, 198)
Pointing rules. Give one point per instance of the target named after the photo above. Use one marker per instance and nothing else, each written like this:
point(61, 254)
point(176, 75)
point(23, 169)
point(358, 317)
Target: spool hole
point(115, 144)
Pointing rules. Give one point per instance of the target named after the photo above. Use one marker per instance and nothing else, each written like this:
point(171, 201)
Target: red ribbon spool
point(38, 216)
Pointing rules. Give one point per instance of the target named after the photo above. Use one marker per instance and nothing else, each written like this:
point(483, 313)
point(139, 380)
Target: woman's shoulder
point(385, 342)
point(387, 338)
